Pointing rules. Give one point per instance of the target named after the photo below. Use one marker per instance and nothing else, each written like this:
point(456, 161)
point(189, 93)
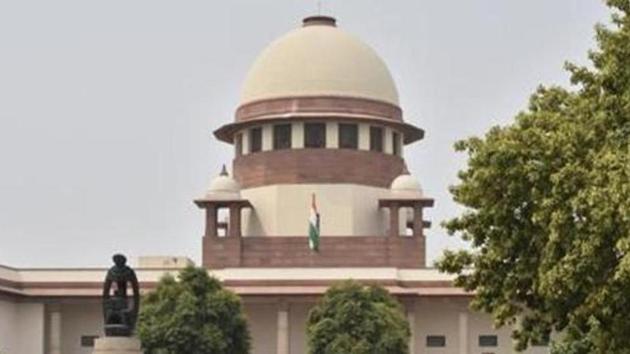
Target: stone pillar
point(297, 135)
point(463, 333)
point(211, 220)
point(332, 135)
point(235, 221)
point(283, 329)
point(411, 318)
point(54, 336)
point(267, 137)
point(417, 221)
point(394, 223)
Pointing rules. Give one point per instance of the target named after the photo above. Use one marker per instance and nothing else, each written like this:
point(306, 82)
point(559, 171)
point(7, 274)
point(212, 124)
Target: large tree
point(548, 208)
point(192, 314)
point(355, 319)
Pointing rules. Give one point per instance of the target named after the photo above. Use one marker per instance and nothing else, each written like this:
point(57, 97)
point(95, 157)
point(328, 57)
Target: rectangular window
point(281, 136)
point(238, 144)
point(488, 341)
point(255, 139)
point(314, 135)
point(88, 341)
point(395, 144)
point(376, 139)
point(348, 136)
point(436, 341)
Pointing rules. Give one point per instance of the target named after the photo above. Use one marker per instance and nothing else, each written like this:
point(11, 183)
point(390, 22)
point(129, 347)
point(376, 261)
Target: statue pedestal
point(117, 345)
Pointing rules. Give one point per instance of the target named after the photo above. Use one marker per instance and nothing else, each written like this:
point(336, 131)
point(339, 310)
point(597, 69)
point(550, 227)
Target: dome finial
point(319, 20)
point(224, 171)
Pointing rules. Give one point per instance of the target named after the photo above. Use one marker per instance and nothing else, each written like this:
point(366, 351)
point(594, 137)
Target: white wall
point(21, 328)
point(8, 340)
point(345, 209)
point(262, 320)
point(298, 313)
point(80, 319)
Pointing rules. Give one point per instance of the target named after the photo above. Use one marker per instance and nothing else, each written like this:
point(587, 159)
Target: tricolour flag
point(313, 227)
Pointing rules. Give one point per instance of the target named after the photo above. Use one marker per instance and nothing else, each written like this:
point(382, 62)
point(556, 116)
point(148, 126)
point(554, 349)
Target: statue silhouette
point(119, 311)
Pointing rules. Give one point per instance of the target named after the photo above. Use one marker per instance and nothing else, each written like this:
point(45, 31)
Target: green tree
point(548, 208)
point(355, 319)
point(193, 315)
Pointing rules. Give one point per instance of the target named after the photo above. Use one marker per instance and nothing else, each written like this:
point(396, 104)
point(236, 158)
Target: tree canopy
point(194, 315)
point(548, 208)
point(355, 319)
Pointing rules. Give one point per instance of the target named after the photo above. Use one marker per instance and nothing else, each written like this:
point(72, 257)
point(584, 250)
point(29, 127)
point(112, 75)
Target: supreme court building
point(319, 114)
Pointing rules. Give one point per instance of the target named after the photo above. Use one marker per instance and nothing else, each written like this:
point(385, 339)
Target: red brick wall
point(351, 251)
point(317, 166)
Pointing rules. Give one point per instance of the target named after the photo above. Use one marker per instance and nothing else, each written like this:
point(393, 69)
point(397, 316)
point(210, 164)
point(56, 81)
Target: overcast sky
point(107, 107)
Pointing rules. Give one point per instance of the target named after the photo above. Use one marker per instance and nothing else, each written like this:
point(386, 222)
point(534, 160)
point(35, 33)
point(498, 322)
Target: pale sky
point(107, 107)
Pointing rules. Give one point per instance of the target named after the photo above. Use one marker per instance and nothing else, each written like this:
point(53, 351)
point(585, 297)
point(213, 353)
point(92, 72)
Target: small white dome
point(319, 59)
point(224, 184)
point(407, 186)
point(223, 187)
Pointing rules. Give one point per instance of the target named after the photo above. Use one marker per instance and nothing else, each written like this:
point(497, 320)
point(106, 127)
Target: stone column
point(463, 333)
point(394, 224)
point(283, 329)
point(211, 220)
point(235, 221)
point(54, 337)
point(411, 318)
point(417, 221)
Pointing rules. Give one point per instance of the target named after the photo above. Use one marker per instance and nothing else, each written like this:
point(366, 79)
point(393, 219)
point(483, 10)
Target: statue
point(120, 312)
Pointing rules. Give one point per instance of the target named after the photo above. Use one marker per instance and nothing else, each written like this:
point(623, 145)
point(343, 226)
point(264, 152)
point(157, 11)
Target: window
point(488, 341)
point(348, 136)
point(436, 341)
point(88, 341)
point(281, 136)
point(376, 139)
point(395, 144)
point(314, 135)
point(255, 139)
point(238, 144)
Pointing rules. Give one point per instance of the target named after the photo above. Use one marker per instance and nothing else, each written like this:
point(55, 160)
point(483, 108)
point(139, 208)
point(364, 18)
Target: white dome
point(406, 185)
point(223, 187)
point(224, 184)
point(319, 60)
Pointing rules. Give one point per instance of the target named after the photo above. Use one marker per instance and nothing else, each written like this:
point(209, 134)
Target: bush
point(355, 319)
point(192, 315)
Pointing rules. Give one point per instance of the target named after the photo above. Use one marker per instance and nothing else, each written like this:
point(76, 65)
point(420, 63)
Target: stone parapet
point(334, 251)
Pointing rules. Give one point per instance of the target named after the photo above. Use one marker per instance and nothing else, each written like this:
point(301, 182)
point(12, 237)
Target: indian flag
point(313, 227)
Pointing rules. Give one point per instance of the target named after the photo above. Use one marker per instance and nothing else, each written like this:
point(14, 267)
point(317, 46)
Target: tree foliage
point(355, 319)
point(194, 315)
point(548, 208)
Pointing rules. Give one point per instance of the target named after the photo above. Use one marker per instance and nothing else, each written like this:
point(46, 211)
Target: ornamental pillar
point(463, 333)
point(411, 319)
point(394, 224)
point(283, 329)
point(211, 220)
point(418, 223)
point(54, 323)
point(234, 228)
